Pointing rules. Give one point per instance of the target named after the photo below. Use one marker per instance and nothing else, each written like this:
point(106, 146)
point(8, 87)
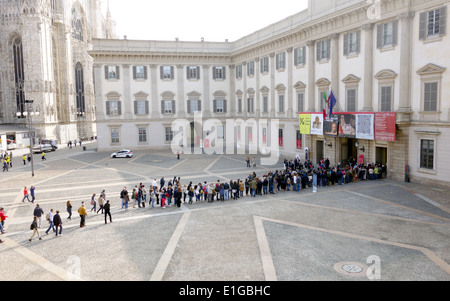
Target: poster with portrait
point(317, 124)
point(305, 123)
point(347, 125)
point(365, 126)
point(330, 126)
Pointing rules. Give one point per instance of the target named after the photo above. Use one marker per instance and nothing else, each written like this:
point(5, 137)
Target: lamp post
point(29, 112)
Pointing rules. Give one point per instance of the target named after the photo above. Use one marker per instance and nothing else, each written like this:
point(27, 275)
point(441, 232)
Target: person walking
point(32, 188)
point(100, 203)
point(38, 213)
point(35, 228)
point(122, 196)
point(43, 157)
point(24, 159)
point(2, 220)
point(108, 211)
point(69, 209)
point(49, 217)
point(58, 223)
point(25, 195)
point(93, 203)
point(82, 212)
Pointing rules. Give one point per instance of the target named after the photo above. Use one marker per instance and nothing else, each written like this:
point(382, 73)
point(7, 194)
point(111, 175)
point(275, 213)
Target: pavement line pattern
point(427, 200)
point(41, 261)
point(161, 267)
point(266, 256)
point(433, 257)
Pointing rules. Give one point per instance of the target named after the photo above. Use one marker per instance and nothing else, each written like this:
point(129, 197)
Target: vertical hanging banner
point(299, 140)
point(316, 124)
point(385, 126)
point(305, 123)
point(364, 126)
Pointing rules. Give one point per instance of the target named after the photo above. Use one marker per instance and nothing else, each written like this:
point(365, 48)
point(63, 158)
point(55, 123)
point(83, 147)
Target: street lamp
point(30, 113)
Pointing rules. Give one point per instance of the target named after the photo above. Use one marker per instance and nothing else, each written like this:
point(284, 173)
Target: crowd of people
point(295, 175)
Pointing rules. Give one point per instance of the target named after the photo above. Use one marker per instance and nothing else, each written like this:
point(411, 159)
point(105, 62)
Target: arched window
point(19, 76)
point(77, 25)
point(79, 86)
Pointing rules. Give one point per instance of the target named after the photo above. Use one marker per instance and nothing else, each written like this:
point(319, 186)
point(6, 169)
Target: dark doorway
point(319, 151)
point(381, 155)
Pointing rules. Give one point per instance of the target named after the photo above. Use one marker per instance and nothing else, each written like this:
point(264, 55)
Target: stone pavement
point(365, 231)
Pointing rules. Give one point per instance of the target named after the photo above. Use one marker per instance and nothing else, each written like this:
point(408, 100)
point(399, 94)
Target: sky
point(191, 20)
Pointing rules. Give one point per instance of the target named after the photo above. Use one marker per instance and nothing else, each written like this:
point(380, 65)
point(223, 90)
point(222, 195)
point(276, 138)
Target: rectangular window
point(386, 97)
point(352, 42)
point(281, 60)
point(142, 135)
point(140, 72)
point(281, 103)
point(219, 106)
point(250, 105)
point(239, 71)
point(433, 22)
point(112, 72)
point(113, 107)
point(351, 100)
point(264, 64)
point(265, 104)
point(300, 102)
point(194, 106)
point(167, 72)
point(323, 50)
point(167, 107)
point(115, 135)
point(251, 68)
point(193, 72)
point(219, 72)
point(387, 34)
point(239, 105)
point(430, 97)
point(220, 131)
point(426, 154)
point(299, 56)
point(169, 134)
point(141, 107)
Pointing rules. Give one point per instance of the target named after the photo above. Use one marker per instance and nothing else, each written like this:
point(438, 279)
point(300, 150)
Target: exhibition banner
point(347, 125)
point(330, 126)
point(305, 123)
point(385, 126)
point(365, 126)
point(316, 124)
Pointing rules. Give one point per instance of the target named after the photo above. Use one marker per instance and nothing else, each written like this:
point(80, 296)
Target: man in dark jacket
point(178, 195)
point(38, 212)
point(107, 208)
point(57, 222)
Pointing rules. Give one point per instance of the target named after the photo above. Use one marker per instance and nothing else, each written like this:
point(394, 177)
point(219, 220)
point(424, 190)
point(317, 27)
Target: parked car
point(11, 144)
point(124, 153)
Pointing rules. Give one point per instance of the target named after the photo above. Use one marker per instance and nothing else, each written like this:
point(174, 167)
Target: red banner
point(385, 126)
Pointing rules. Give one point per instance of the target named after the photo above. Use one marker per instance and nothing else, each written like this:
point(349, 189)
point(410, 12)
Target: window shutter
point(248, 105)
point(394, 32)
point(224, 72)
point(214, 72)
point(135, 107)
point(161, 72)
point(199, 105)
point(422, 26)
point(145, 72)
point(106, 72)
point(198, 72)
point(379, 35)
point(345, 44)
point(328, 48)
point(189, 107)
point(215, 106)
point(277, 61)
point(119, 107)
point(108, 112)
point(358, 41)
point(147, 107)
point(296, 62)
point(187, 73)
point(117, 72)
point(303, 55)
point(318, 51)
point(173, 107)
point(261, 65)
point(442, 20)
point(134, 72)
point(224, 105)
point(162, 106)
point(172, 72)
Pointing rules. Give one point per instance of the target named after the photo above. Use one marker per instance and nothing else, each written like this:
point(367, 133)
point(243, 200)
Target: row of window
point(141, 107)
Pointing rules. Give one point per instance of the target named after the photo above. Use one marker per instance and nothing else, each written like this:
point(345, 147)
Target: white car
point(124, 153)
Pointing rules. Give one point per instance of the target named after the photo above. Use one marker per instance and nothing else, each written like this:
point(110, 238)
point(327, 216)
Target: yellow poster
point(305, 123)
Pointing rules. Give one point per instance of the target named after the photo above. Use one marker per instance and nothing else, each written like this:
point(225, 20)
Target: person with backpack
point(49, 218)
point(35, 228)
point(93, 203)
point(101, 200)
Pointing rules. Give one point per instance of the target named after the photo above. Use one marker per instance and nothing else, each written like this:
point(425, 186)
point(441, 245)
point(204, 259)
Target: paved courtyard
point(366, 231)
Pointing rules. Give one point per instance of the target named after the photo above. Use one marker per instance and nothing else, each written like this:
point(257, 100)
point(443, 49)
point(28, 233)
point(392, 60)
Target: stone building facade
point(44, 57)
